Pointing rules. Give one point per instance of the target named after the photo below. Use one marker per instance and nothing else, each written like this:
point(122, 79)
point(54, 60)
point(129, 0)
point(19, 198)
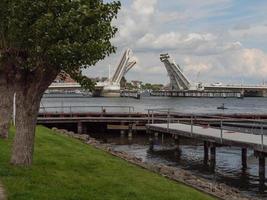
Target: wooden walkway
point(213, 138)
point(223, 137)
point(47, 120)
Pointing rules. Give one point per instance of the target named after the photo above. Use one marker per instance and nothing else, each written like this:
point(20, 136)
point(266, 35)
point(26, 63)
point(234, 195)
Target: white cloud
point(215, 54)
point(247, 31)
point(249, 62)
point(172, 40)
point(191, 10)
point(192, 43)
point(135, 21)
point(172, 16)
point(144, 7)
point(244, 63)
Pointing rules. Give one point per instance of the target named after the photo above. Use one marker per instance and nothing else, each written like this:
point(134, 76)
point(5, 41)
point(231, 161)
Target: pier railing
point(83, 109)
point(223, 123)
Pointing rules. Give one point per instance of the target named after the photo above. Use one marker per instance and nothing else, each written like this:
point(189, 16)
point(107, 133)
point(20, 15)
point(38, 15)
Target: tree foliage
point(56, 34)
point(38, 40)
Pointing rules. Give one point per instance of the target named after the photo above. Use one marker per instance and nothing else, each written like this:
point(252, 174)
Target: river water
point(228, 159)
point(184, 105)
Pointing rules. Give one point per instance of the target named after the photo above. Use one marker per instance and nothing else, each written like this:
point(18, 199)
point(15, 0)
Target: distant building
point(63, 77)
point(103, 79)
point(123, 83)
point(137, 84)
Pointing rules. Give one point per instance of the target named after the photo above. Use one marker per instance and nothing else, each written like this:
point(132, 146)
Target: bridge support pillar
point(244, 158)
point(213, 157)
point(206, 153)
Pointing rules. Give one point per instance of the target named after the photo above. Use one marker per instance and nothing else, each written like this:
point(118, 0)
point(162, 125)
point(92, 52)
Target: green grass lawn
point(65, 168)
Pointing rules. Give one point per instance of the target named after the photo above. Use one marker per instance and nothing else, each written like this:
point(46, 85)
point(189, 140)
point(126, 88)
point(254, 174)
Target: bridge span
point(244, 90)
point(181, 86)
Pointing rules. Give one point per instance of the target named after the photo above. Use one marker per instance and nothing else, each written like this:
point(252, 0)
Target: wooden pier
point(214, 137)
point(211, 130)
point(112, 119)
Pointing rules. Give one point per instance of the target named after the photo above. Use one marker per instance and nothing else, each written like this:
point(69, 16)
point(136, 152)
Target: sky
point(212, 40)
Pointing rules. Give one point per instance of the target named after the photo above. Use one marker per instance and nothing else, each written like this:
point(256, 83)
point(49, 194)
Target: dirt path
point(2, 193)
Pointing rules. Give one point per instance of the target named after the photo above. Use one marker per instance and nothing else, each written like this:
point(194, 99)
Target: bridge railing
point(83, 109)
point(163, 115)
point(223, 123)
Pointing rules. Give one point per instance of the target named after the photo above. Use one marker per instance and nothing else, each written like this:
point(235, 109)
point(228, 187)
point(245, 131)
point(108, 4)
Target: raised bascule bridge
point(109, 88)
point(178, 80)
point(180, 85)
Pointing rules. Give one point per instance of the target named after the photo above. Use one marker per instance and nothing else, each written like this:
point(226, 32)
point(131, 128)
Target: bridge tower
point(125, 64)
point(111, 88)
point(178, 81)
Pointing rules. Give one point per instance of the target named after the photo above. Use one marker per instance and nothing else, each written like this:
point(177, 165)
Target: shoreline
point(217, 190)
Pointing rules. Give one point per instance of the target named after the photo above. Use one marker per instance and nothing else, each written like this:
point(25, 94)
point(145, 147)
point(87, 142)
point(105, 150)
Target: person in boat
point(222, 106)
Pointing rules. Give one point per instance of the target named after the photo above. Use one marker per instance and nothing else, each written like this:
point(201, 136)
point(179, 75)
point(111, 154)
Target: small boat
point(222, 107)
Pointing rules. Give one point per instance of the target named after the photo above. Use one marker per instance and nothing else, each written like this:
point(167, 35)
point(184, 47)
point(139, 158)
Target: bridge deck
point(229, 138)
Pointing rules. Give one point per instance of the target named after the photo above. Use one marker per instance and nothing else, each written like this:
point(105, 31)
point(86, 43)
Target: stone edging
point(218, 190)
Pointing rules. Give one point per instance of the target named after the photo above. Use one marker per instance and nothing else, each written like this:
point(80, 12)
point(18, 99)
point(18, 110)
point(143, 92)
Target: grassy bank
point(65, 168)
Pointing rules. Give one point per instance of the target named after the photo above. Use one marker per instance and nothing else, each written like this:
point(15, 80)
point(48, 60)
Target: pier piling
point(151, 143)
point(156, 134)
point(176, 141)
point(177, 145)
point(151, 139)
point(122, 133)
point(213, 157)
point(262, 169)
point(261, 156)
point(130, 132)
point(79, 127)
point(206, 153)
point(244, 158)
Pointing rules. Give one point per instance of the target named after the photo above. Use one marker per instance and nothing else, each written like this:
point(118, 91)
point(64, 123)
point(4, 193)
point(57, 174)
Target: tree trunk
point(26, 117)
point(6, 105)
point(30, 87)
